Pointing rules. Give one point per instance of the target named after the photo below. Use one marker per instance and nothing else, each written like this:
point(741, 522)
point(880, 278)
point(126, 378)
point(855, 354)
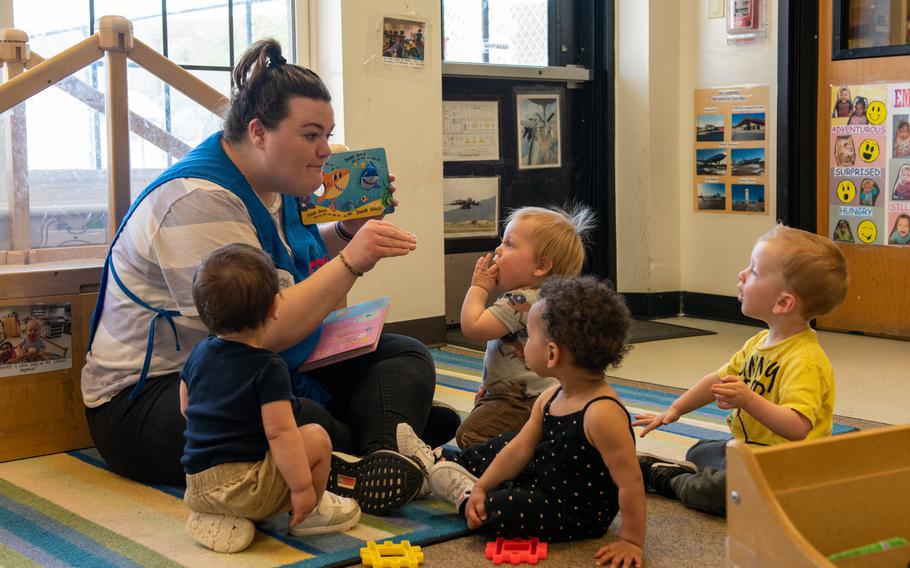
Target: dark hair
point(263, 83)
point(234, 288)
point(588, 318)
point(6, 344)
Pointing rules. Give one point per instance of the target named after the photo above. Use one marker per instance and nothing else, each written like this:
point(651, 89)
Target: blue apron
point(209, 162)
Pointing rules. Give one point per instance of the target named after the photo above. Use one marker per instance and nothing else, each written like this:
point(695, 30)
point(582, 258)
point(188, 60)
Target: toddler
point(900, 233)
point(902, 140)
point(32, 345)
point(842, 232)
point(245, 457)
point(843, 107)
point(536, 244)
point(858, 116)
point(572, 467)
point(902, 183)
point(780, 385)
point(868, 192)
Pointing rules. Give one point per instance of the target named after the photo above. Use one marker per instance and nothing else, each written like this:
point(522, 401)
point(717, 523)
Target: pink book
point(349, 332)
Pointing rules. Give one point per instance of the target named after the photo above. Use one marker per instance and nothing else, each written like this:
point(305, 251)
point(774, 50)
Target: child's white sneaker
point(410, 445)
point(451, 482)
point(221, 533)
point(332, 514)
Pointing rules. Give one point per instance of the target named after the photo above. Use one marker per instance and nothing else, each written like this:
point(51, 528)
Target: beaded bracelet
point(344, 235)
point(348, 266)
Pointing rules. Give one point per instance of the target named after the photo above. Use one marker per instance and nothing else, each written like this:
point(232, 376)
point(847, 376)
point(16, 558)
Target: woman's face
point(295, 151)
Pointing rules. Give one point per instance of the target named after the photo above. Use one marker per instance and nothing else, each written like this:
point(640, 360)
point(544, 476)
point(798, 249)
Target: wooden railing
point(26, 74)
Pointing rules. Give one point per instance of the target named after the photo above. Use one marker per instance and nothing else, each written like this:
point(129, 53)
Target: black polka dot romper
point(564, 493)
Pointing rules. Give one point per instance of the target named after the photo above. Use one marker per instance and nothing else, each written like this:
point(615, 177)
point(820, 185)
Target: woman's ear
point(256, 130)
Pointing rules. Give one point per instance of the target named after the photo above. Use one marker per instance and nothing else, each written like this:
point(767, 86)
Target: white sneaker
point(451, 482)
point(221, 533)
point(332, 514)
point(410, 445)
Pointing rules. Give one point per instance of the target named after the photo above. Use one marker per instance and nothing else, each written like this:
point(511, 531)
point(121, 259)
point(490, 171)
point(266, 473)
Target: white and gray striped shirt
point(155, 257)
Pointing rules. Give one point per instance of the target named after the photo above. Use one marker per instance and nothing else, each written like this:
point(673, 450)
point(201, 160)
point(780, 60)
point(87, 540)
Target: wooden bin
point(42, 412)
point(793, 505)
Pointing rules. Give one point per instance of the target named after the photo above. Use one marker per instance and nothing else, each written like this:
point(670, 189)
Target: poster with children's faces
point(869, 160)
point(731, 150)
point(35, 339)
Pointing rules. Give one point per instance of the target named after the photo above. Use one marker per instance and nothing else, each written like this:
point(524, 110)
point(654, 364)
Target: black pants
point(143, 438)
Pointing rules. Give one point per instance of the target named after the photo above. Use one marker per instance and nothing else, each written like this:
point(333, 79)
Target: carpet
point(458, 373)
point(68, 509)
point(640, 332)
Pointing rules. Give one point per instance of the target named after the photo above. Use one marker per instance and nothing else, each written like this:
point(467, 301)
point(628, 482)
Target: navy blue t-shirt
point(228, 382)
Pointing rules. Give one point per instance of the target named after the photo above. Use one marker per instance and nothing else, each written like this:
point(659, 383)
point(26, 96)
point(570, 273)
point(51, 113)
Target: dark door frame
point(797, 97)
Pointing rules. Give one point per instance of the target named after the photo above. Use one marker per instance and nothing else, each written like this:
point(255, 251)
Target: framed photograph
point(538, 119)
point(748, 126)
point(748, 162)
point(711, 162)
point(403, 42)
point(748, 197)
point(709, 128)
point(471, 207)
point(712, 197)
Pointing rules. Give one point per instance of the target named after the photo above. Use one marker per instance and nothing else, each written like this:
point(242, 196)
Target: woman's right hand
point(651, 421)
point(377, 240)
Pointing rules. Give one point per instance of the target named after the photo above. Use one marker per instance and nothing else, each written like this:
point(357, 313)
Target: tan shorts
point(493, 415)
point(252, 490)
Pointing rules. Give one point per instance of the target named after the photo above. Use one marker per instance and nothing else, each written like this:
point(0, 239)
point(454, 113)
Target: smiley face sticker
point(877, 112)
point(868, 150)
point(846, 191)
point(867, 231)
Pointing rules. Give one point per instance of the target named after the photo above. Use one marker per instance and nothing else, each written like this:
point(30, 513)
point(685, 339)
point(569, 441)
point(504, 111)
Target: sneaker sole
point(340, 527)
point(380, 482)
point(220, 533)
point(681, 463)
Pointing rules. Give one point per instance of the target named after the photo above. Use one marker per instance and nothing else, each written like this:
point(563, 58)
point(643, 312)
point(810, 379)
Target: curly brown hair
point(588, 318)
point(234, 288)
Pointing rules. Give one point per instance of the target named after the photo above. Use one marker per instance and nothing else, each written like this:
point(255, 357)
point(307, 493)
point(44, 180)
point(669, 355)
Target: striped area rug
point(458, 373)
point(68, 509)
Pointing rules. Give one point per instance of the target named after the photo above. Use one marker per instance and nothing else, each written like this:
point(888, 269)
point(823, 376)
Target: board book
point(349, 332)
point(355, 184)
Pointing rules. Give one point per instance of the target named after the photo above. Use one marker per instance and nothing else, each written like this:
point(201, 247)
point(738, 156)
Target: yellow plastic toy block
point(391, 555)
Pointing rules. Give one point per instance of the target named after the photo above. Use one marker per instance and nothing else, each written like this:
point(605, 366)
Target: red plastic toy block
point(516, 551)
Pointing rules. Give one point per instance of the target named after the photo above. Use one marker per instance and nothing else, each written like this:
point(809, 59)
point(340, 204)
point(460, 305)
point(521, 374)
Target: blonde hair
point(813, 267)
point(559, 235)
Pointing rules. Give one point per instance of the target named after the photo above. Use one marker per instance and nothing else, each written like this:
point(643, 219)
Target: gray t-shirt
point(504, 369)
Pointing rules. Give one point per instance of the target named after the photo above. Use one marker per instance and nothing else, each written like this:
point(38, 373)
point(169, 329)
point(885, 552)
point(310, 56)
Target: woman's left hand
point(351, 226)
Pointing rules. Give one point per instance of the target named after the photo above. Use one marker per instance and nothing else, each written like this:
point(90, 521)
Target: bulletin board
point(731, 150)
point(869, 164)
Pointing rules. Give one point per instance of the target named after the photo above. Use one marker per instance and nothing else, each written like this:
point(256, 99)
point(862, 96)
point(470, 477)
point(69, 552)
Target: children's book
point(355, 184)
point(349, 332)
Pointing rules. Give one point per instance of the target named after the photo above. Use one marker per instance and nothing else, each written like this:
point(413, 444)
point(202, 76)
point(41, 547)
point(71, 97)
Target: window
point(508, 32)
point(66, 139)
point(870, 28)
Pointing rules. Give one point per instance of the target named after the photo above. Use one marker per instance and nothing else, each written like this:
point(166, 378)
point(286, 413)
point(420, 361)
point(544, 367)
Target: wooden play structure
point(42, 412)
point(793, 505)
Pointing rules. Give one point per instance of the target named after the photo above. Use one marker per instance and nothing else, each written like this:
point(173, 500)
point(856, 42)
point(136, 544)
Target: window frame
point(840, 15)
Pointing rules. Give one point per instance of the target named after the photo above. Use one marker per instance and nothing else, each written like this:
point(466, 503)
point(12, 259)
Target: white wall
point(665, 50)
point(400, 110)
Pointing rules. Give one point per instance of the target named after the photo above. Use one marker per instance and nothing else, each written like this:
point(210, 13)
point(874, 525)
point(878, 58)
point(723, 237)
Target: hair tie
point(276, 61)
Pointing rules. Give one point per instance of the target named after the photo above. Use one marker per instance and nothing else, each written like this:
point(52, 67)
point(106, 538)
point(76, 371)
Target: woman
point(243, 185)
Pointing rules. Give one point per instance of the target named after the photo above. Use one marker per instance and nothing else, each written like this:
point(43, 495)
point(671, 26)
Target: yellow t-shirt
point(794, 373)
